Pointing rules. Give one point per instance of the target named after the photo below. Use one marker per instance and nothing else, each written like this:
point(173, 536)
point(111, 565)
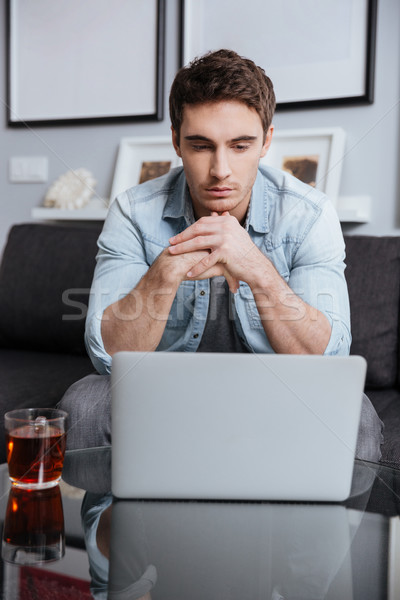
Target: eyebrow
point(241, 138)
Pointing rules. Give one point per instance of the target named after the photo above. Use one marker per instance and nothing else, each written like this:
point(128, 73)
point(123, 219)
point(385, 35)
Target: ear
point(268, 140)
point(175, 142)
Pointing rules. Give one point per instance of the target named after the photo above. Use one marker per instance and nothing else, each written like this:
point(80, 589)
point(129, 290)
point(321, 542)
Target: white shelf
point(96, 210)
point(354, 209)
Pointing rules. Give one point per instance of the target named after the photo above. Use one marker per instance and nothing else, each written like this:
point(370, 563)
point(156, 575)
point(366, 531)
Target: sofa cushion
point(36, 379)
point(45, 279)
point(373, 277)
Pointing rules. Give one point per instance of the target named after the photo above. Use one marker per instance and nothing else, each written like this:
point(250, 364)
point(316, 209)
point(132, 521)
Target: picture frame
point(61, 70)
point(140, 159)
point(314, 156)
point(316, 54)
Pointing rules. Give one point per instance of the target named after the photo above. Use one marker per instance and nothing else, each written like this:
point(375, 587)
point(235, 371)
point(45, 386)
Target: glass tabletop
point(261, 550)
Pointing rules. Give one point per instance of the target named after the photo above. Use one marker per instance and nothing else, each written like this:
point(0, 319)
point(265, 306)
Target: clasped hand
point(231, 252)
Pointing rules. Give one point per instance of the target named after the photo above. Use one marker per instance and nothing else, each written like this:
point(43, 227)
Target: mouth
point(219, 192)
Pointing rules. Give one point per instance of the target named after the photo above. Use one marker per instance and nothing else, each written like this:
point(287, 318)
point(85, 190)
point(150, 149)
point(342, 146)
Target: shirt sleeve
point(121, 263)
point(317, 277)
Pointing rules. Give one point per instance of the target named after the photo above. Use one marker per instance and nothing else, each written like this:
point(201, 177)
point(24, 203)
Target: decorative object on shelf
point(314, 156)
point(71, 191)
point(85, 79)
point(140, 159)
point(316, 53)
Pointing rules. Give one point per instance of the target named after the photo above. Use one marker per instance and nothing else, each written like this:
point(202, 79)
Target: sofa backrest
point(47, 270)
point(45, 279)
point(373, 278)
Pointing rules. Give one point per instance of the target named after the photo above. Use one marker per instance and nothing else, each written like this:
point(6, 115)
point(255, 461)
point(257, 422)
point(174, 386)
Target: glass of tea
point(35, 439)
point(33, 530)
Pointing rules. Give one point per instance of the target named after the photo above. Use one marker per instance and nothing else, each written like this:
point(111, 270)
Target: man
point(219, 255)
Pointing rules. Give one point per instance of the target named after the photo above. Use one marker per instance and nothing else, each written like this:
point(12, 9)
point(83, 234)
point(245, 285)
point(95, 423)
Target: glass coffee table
point(227, 550)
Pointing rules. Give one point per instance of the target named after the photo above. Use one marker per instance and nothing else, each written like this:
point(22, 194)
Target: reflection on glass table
point(33, 531)
point(36, 528)
point(212, 550)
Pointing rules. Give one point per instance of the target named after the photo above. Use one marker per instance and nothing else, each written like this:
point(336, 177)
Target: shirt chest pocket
point(252, 314)
point(182, 308)
point(247, 298)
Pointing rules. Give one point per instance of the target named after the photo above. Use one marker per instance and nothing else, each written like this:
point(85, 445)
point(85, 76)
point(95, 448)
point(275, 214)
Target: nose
point(220, 167)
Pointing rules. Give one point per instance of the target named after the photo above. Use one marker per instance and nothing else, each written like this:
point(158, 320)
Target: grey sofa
point(45, 278)
point(373, 277)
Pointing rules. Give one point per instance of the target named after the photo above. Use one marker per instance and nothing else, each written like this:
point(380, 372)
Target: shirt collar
point(257, 216)
point(179, 204)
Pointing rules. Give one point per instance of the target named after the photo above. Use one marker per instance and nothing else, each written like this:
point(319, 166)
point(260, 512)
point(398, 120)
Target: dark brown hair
point(222, 75)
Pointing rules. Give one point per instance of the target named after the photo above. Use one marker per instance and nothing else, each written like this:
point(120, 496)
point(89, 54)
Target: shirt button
point(196, 335)
point(202, 293)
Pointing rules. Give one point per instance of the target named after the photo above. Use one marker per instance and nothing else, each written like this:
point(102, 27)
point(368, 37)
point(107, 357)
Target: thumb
point(233, 283)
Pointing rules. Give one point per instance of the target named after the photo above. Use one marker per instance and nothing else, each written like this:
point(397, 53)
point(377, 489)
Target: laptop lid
point(234, 426)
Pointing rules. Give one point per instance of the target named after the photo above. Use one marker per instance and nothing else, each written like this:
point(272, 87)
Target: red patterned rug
point(39, 584)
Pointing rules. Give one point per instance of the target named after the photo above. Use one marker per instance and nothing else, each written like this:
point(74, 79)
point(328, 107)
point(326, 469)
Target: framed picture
point(140, 159)
point(314, 156)
point(79, 62)
point(316, 53)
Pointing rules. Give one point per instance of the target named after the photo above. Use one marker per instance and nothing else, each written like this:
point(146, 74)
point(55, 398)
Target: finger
point(204, 265)
point(214, 271)
point(190, 233)
point(186, 234)
point(201, 242)
point(233, 283)
point(201, 227)
point(225, 213)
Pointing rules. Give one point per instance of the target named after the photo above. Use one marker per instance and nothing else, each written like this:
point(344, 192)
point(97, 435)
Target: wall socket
point(28, 169)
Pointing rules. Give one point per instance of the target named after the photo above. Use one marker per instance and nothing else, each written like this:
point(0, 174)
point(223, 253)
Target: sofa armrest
point(45, 279)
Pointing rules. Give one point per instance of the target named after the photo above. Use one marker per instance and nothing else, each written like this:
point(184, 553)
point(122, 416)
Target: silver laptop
point(234, 426)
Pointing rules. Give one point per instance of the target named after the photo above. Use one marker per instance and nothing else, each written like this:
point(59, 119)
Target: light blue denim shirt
point(293, 224)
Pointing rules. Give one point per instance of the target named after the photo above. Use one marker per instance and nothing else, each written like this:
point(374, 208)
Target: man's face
point(221, 144)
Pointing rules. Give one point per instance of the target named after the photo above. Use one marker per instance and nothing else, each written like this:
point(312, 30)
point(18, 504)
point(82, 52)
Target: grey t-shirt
point(220, 334)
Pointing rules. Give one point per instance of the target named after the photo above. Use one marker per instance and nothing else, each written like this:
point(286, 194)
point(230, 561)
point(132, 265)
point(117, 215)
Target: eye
point(200, 147)
point(241, 147)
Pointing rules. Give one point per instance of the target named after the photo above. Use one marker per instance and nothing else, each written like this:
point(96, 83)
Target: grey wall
point(371, 163)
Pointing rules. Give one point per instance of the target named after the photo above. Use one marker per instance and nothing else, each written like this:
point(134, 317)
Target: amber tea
point(35, 447)
point(35, 456)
